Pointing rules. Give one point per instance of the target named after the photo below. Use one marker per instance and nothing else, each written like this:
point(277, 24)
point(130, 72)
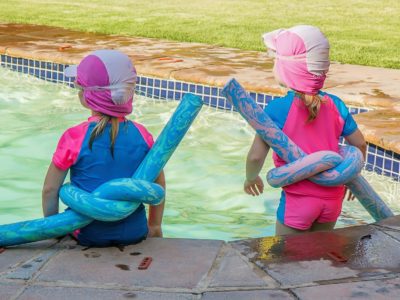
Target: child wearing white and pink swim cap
point(105, 147)
point(312, 119)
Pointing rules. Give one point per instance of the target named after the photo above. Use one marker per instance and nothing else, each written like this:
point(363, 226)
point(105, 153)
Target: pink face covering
point(301, 57)
point(108, 80)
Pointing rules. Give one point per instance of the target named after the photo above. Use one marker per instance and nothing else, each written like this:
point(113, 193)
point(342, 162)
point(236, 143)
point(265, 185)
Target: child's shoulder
point(138, 125)
point(77, 130)
point(280, 104)
point(336, 99)
point(144, 132)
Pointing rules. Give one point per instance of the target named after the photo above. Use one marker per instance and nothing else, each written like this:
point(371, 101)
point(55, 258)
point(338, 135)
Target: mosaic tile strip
point(44, 70)
point(165, 89)
point(156, 88)
point(379, 160)
point(357, 110)
point(383, 162)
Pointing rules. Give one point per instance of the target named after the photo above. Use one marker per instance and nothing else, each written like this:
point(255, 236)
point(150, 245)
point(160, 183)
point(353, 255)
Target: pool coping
point(168, 69)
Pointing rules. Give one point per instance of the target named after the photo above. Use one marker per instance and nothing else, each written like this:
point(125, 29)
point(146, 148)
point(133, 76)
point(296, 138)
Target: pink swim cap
point(108, 79)
point(301, 57)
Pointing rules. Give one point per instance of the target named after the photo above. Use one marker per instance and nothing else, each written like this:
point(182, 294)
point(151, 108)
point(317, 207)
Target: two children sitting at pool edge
point(109, 146)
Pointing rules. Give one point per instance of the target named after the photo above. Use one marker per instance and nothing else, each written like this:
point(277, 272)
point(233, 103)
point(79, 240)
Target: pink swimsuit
point(305, 202)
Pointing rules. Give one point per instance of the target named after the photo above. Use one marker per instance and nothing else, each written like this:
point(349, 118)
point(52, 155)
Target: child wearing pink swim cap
point(105, 147)
point(312, 119)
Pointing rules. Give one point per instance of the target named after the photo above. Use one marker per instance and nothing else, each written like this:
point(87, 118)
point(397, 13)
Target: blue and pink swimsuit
point(91, 168)
point(305, 202)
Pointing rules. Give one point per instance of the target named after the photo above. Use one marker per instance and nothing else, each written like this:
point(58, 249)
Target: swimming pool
point(204, 176)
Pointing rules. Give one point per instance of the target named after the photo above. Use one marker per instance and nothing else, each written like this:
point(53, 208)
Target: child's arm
point(156, 212)
point(254, 163)
point(356, 139)
point(52, 183)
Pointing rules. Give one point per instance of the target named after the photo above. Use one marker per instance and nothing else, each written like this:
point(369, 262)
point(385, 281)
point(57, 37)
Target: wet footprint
point(123, 267)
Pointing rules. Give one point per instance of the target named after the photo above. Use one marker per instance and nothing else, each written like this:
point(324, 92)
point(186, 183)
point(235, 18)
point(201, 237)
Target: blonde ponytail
point(313, 104)
point(99, 129)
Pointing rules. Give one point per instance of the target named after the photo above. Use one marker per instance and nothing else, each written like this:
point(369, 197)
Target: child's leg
point(281, 229)
point(322, 226)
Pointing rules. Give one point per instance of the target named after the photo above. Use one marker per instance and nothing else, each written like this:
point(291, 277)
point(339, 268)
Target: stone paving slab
point(29, 268)
point(17, 256)
point(68, 293)
point(177, 263)
point(10, 290)
point(376, 290)
point(248, 295)
point(233, 271)
point(211, 65)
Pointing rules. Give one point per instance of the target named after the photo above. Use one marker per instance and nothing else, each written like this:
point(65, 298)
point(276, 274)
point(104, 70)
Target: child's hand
point(254, 187)
point(155, 231)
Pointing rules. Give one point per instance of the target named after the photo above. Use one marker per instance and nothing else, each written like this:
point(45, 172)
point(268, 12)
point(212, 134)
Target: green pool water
point(204, 176)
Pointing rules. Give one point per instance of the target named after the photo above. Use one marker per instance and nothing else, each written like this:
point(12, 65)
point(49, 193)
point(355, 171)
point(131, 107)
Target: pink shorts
point(300, 212)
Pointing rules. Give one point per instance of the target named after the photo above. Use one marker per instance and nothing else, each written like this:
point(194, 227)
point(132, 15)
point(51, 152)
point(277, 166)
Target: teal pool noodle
point(169, 138)
point(347, 172)
point(41, 229)
point(68, 221)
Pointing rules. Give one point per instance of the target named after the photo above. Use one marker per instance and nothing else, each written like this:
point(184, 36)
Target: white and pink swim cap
point(108, 80)
point(301, 57)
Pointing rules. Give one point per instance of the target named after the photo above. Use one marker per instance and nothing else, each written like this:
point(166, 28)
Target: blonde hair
point(313, 104)
point(100, 127)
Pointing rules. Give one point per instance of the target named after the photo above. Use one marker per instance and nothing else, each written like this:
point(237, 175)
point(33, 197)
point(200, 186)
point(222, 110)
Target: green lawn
point(365, 32)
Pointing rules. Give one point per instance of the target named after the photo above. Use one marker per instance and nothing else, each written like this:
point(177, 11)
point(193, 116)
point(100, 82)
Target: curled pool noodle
point(324, 167)
point(113, 200)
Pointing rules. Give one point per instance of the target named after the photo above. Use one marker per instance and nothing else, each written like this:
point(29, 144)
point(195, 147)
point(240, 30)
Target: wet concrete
point(361, 262)
point(359, 86)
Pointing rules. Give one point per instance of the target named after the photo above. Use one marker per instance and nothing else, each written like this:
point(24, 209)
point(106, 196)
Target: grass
point(363, 32)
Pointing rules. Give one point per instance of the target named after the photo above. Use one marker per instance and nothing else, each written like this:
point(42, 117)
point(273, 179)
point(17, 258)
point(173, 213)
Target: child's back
point(323, 133)
point(92, 167)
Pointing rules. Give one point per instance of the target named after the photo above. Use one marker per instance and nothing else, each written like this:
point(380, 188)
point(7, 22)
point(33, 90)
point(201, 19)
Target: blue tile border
point(157, 88)
point(167, 89)
point(383, 162)
point(379, 160)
